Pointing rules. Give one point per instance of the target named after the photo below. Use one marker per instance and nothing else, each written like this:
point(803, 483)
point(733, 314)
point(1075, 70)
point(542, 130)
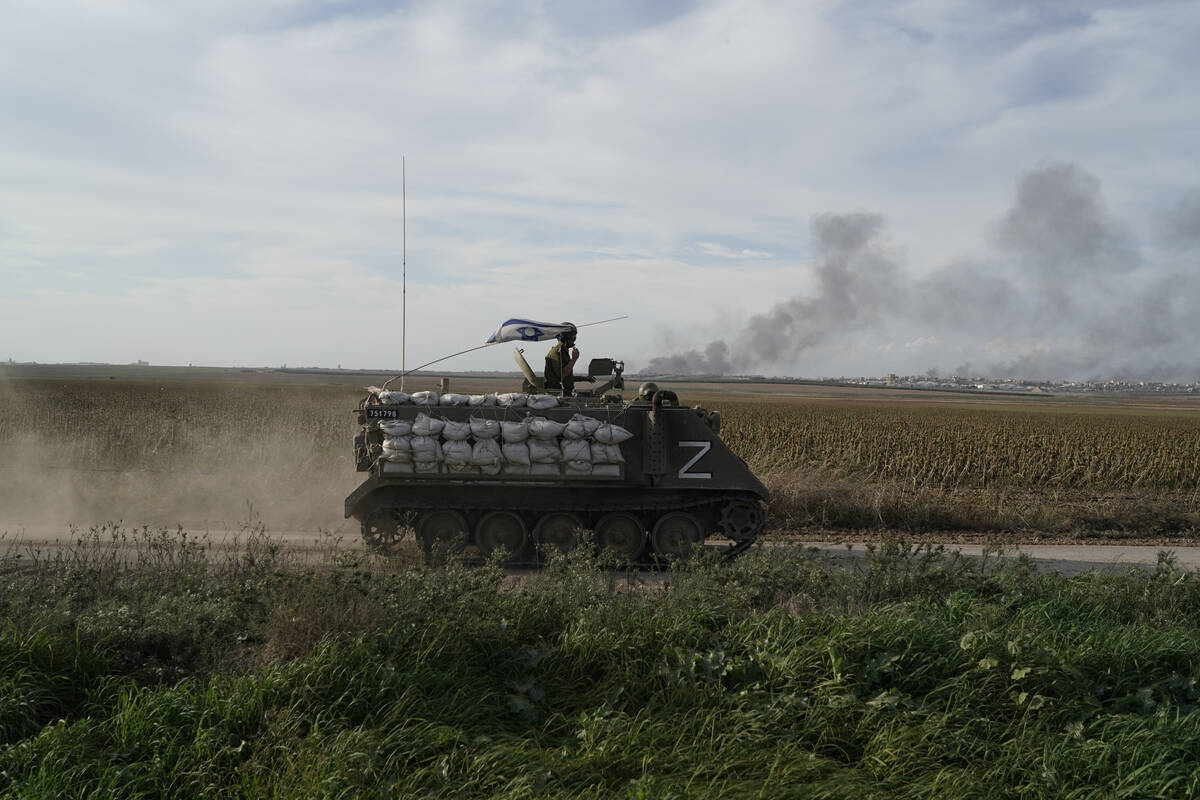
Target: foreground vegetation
point(153, 664)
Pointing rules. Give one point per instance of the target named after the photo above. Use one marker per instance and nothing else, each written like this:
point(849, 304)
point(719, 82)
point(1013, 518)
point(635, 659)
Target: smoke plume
point(1059, 292)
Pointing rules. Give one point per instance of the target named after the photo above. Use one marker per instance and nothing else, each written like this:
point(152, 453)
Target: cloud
point(721, 251)
point(567, 145)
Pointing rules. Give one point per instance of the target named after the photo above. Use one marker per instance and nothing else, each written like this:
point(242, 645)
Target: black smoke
point(1059, 292)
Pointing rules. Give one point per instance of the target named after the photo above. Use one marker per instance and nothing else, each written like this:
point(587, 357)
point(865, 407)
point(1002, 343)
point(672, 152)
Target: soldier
point(560, 365)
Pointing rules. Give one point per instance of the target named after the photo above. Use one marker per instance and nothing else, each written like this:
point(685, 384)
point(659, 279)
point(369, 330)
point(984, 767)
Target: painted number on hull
point(685, 472)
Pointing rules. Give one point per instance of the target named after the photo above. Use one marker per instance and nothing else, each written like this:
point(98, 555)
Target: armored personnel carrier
point(530, 472)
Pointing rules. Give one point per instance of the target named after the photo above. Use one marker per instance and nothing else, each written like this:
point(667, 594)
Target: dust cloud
point(1060, 291)
point(163, 471)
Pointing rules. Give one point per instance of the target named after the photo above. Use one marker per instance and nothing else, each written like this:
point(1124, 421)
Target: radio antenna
point(403, 273)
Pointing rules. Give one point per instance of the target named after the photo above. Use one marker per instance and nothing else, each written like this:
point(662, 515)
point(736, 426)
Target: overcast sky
point(791, 188)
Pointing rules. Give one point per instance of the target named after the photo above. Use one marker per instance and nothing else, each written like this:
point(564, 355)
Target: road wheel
point(558, 530)
point(383, 528)
point(676, 535)
point(742, 519)
point(442, 533)
point(621, 535)
point(501, 530)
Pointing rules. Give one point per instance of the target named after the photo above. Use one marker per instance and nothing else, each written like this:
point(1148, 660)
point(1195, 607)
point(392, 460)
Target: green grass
point(189, 672)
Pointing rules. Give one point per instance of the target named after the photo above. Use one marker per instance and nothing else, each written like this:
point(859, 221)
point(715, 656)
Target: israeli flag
point(527, 330)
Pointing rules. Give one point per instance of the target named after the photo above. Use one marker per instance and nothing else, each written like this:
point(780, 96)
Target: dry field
point(211, 449)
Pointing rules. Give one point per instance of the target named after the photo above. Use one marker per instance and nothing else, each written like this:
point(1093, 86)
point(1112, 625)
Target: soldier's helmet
point(567, 337)
point(647, 389)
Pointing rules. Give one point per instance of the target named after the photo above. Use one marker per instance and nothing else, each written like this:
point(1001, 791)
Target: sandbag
point(516, 453)
point(425, 425)
point(478, 400)
point(611, 434)
point(456, 431)
point(576, 450)
point(577, 468)
point(606, 470)
point(451, 399)
point(486, 453)
point(424, 398)
point(542, 428)
point(426, 448)
point(461, 468)
point(397, 448)
point(484, 428)
point(456, 452)
point(541, 402)
point(515, 469)
point(543, 469)
point(581, 427)
point(390, 398)
point(607, 454)
point(395, 427)
point(544, 451)
point(511, 399)
point(491, 469)
point(425, 466)
point(515, 431)
point(397, 467)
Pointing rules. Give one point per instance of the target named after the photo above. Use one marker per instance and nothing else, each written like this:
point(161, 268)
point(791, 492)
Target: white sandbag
point(577, 468)
point(606, 470)
point(542, 428)
point(544, 451)
point(395, 427)
point(515, 469)
point(425, 425)
point(511, 399)
point(484, 428)
point(426, 448)
point(390, 398)
point(581, 427)
point(576, 450)
point(611, 434)
point(541, 402)
point(544, 469)
point(491, 469)
point(456, 452)
point(478, 400)
point(424, 398)
point(516, 453)
point(515, 431)
point(396, 456)
point(397, 467)
point(451, 399)
point(486, 453)
point(607, 454)
point(425, 466)
point(397, 448)
point(456, 431)
point(461, 468)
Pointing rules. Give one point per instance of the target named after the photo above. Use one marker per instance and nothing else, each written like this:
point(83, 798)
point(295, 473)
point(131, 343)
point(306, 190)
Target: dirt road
point(1068, 559)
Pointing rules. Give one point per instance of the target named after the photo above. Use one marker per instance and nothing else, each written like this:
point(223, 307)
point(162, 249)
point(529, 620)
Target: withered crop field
point(210, 449)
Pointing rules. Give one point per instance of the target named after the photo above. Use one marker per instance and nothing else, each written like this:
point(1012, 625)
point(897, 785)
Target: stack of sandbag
point(534, 445)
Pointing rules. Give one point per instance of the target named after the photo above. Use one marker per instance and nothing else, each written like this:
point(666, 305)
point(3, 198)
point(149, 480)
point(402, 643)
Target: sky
point(811, 189)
